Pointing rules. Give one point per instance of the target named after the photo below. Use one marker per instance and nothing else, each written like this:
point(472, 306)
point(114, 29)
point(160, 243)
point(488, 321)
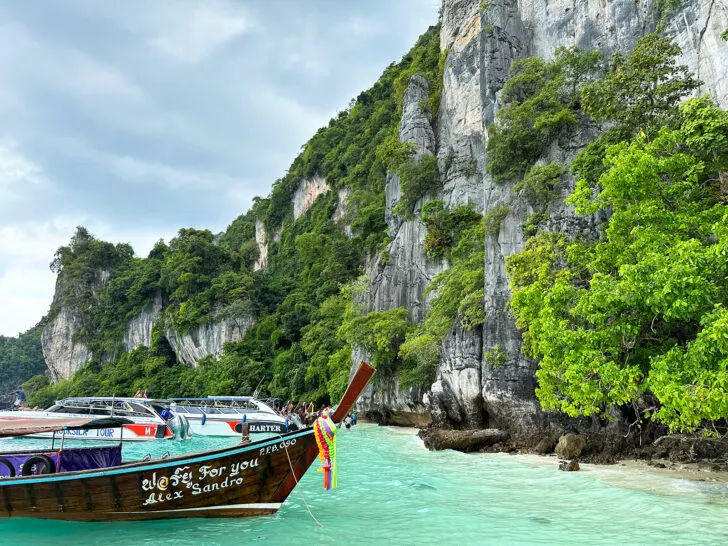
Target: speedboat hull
point(138, 432)
point(217, 427)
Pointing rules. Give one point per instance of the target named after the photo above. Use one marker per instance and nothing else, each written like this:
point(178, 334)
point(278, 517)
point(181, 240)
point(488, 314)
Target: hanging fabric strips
point(325, 431)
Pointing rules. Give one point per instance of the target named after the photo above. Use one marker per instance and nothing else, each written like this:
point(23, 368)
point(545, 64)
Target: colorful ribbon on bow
point(325, 431)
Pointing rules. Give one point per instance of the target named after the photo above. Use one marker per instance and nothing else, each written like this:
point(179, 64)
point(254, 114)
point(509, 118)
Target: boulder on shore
point(569, 466)
point(461, 440)
point(546, 445)
point(570, 446)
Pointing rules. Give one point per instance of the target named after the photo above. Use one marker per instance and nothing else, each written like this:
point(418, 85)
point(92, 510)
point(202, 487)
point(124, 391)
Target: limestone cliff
point(191, 347)
point(307, 192)
point(261, 240)
point(63, 351)
point(481, 40)
point(65, 354)
point(207, 339)
point(401, 280)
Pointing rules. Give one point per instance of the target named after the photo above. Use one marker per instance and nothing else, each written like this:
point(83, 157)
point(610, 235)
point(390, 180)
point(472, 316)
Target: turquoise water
point(393, 491)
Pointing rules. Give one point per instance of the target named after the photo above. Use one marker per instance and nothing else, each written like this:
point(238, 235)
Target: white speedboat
point(146, 414)
point(224, 416)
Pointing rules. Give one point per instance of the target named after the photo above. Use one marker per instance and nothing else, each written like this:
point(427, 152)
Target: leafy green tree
point(628, 317)
point(21, 358)
point(642, 90)
point(541, 99)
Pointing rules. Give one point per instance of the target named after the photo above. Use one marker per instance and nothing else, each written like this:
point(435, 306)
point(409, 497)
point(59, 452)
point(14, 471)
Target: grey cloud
point(146, 117)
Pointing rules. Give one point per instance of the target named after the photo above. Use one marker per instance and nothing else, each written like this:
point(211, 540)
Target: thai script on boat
point(161, 488)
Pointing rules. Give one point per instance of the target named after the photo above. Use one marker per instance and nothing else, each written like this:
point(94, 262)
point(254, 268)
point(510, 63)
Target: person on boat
point(138, 393)
point(19, 397)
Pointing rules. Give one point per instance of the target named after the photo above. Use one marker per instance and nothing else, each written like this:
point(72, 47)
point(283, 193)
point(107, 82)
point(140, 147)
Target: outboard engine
point(180, 427)
point(295, 423)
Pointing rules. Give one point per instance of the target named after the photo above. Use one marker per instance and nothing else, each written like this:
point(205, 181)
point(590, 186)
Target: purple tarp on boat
point(90, 458)
point(87, 458)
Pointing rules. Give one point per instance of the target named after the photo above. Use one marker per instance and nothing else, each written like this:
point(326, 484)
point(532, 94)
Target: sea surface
point(393, 491)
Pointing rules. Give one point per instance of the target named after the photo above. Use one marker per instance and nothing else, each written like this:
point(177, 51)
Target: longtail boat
point(246, 480)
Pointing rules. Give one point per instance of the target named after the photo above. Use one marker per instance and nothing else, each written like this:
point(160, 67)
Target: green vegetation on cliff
point(637, 318)
point(20, 359)
point(296, 344)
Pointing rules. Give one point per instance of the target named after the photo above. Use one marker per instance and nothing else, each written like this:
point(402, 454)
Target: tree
point(634, 314)
point(642, 90)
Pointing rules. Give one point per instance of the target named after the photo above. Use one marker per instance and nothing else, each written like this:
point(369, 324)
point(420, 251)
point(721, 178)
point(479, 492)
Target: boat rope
point(299, 489)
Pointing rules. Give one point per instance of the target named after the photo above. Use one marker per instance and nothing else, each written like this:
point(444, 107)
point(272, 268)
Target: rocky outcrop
point(400, 275)
point(206, 339)
point(481, 40)
point(63, 355)
point(340, 214)
point(466, 441)
point(139, 329)
point(261, 240)
point(570, 446)
point(191, 347)
point(63, 351)
point(308, 191)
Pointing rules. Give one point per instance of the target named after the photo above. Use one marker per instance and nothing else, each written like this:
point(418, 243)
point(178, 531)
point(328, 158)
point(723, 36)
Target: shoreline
point(674, 471)
point(700, 470)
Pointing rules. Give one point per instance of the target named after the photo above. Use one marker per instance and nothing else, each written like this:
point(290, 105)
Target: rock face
point(482, 39)
point(307, 192)
point(200, 342)
point(262, 242)
point(63, 352)
point(207, 339)
point(65, 356)
point(340, 212)
point(139, 329)
point(399, 277)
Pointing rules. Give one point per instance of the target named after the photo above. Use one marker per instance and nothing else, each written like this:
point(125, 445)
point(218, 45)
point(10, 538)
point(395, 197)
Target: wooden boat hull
point(247, 480)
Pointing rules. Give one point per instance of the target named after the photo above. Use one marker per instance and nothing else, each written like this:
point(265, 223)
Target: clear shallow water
point(393, 491)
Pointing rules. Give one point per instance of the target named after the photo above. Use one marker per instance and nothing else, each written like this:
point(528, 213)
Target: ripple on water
point(392, 490)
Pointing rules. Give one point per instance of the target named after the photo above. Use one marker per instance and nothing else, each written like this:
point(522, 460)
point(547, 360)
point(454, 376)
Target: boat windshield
point(117, 408)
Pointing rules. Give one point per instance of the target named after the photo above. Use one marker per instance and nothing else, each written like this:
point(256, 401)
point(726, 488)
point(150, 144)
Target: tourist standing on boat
point(19, 397)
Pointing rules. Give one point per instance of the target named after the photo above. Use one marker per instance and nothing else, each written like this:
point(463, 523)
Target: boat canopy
point(215, 399)
point(23, 427)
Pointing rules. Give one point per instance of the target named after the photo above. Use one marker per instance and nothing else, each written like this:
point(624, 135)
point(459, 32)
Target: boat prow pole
point(360, 380)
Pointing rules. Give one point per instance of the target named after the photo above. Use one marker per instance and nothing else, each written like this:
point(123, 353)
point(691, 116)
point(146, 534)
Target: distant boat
point(144, 415)
point(224, 415)
point(92, 485)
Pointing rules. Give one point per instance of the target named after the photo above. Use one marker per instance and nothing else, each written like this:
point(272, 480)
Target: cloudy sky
point(140, 117)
